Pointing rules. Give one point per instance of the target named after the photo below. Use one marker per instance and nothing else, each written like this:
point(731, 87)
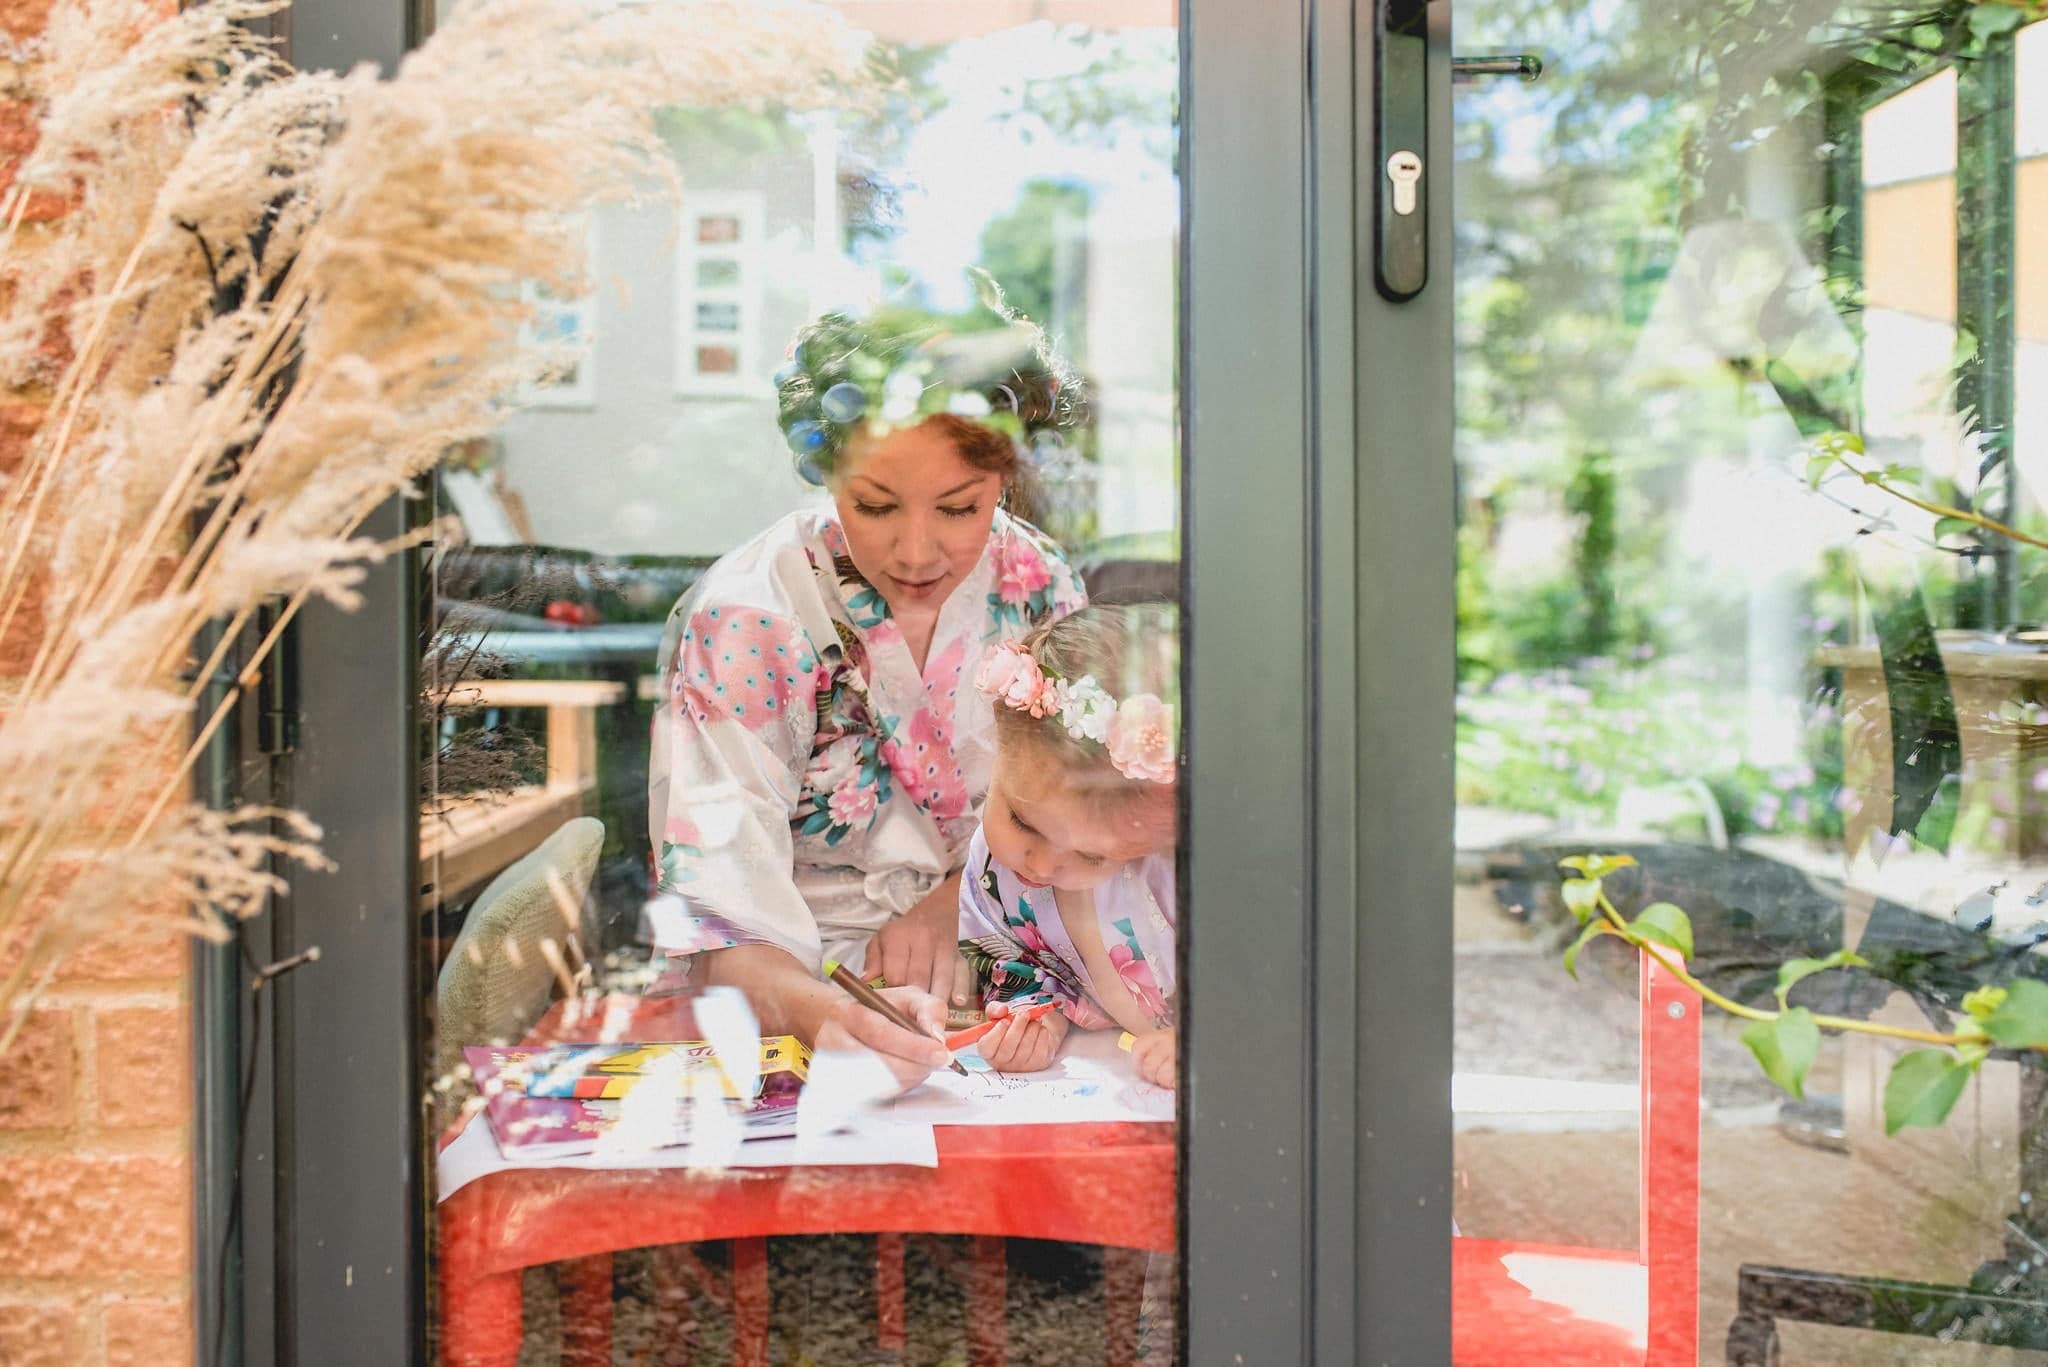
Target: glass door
point(884, 468)
point(1749, 858)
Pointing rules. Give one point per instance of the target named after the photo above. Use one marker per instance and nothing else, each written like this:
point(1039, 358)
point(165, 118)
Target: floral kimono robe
point(1033, 958)
point(806, 784)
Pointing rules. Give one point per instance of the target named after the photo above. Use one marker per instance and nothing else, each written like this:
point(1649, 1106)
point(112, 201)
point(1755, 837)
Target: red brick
point(24, 18)
point(88, 1217)
point(24, 634)
point(39, 1075)
point(18, 423)
point(18, 132)
point(41, 1334)
point(147, 948)
point(140, 1055)
point(148, 1333)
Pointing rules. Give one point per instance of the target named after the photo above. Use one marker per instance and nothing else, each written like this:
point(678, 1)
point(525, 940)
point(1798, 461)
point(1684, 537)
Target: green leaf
point(1982, 1001)
point(1664, 924)
point(1922, 1089)
point(2021, 1020)
point(1817, 467)
point(1593, 931)
point(1596, 866)
point(1582, 897)
point(1796, 970)
point(1988, 21)
point(1953, 526)
point(1785, 1046)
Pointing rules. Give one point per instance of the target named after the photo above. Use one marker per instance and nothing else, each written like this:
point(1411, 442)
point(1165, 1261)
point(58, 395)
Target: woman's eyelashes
point(884, 509)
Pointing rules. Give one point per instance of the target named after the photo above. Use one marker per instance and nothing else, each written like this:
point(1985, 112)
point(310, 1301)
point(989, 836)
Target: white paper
point(1091, 1080)
point(872, 1141)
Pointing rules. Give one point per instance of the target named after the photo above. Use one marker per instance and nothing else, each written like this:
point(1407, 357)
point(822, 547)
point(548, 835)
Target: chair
point(518, 941)
point(1520, 1303)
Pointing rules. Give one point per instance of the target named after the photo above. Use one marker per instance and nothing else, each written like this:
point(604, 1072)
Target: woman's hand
point(911, 1057)
point(921, 948)
point(1157, 1054)
point(1020, 1045)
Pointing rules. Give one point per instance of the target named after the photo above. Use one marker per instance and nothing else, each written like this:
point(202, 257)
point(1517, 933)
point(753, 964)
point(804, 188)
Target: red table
point(1106, 1184)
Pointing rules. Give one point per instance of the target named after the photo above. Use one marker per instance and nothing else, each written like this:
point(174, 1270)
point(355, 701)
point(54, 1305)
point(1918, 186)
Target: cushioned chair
point(522, 932)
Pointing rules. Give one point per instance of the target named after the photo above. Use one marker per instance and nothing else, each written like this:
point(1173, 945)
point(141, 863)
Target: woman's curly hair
point(994, 390)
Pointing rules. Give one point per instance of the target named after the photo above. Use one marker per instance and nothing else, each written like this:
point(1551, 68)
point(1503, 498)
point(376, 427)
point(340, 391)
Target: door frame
point(1315, 1143)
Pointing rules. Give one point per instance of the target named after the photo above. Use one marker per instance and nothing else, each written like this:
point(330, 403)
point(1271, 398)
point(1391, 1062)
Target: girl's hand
point(1157, 1054)
point(921, 948)
point(911, 1058)
point(1024, 1046)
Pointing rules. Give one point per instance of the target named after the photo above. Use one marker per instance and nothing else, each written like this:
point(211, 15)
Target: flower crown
point(1138, 732)
point(843, 375)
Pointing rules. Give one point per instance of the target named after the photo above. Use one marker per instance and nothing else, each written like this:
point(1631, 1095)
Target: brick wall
point(95, 1175)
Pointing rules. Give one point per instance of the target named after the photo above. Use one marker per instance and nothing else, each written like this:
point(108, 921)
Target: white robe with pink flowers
point(1022, 930)
point(806, 782)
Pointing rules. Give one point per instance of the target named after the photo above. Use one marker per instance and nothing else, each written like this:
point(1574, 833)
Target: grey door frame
point(1315, 1147)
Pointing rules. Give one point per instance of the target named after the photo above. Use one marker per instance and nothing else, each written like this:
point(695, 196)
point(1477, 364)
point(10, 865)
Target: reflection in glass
point(838, 777)
point(716, 274)
point(1749, 597)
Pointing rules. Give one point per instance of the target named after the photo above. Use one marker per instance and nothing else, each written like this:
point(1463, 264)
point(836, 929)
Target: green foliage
point(1021, 250)
point(1794, 971)
point(1571, 744)
point(1590, 497)
point(1664, 924)
point(1785, 1047)
point(1923, 1085)
point(1582, 897)
point(1594, 929)
point(2019, 1019)
point(1922, 1089)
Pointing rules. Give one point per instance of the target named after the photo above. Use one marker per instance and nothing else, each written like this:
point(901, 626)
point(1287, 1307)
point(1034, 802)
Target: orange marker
point(960, 1039)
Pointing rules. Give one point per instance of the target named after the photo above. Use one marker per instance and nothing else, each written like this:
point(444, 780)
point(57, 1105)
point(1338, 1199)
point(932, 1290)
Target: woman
point(820, 753)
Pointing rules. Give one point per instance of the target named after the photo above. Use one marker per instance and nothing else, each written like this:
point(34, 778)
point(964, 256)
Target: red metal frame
point(1498, 1320)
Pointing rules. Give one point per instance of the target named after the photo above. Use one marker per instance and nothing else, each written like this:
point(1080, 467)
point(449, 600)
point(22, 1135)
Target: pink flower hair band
point(1138, 732)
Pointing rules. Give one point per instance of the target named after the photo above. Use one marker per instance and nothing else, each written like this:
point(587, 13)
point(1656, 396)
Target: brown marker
point(876, 1002)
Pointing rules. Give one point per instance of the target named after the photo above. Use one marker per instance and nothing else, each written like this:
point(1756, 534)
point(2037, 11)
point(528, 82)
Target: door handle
point(1400, 138)
point(1525, 65)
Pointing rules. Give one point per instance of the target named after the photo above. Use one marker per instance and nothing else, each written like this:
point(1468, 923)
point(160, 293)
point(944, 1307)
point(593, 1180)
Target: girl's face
point(1039, 824)
point(916, 515)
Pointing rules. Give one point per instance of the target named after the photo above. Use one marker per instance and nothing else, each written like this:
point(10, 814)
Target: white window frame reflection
point(573, 322)
point(743, 294)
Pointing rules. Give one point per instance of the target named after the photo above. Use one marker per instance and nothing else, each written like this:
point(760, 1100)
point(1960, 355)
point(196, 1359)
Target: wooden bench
point(460, 849)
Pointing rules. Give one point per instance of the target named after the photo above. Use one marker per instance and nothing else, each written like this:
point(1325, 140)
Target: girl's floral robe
point(806, 784)
point(1020, 930)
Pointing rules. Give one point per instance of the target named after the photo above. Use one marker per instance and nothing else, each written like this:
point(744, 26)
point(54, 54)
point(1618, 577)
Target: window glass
point(1750, 670)
point(2030, 256)
point(821, 607)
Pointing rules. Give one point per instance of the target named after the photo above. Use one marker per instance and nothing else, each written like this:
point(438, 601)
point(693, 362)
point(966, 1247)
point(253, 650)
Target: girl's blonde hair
point(1127, 651)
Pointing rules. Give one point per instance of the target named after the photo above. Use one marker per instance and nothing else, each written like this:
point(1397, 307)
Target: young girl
point(1068, 890)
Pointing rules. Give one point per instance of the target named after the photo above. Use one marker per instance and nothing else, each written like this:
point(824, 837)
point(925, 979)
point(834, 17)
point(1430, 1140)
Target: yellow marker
point(1125, 1041)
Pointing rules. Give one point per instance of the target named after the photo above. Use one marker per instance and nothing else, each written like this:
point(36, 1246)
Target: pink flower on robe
point(851, 803)
point(1137, 976)
point(1023, 575)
